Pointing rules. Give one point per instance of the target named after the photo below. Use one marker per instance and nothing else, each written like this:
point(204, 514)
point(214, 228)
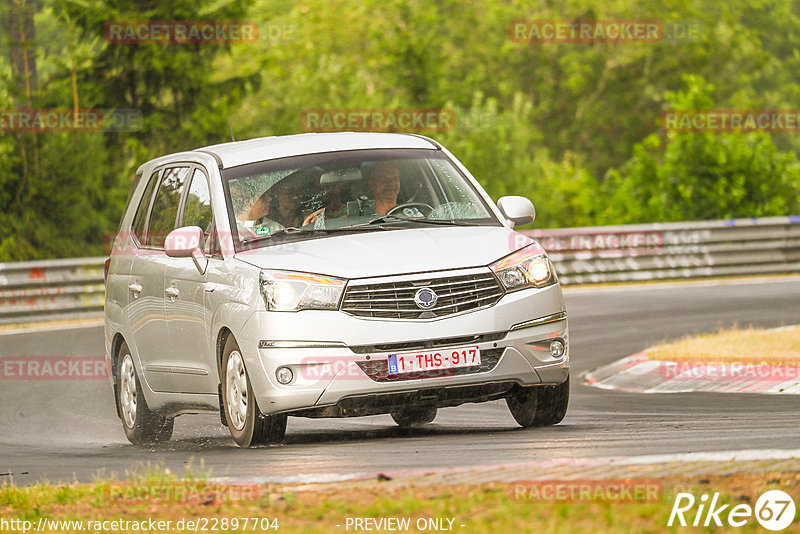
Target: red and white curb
point(640, 374)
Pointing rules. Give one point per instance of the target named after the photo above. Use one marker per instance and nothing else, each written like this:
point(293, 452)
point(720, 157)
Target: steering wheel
point(427, 207)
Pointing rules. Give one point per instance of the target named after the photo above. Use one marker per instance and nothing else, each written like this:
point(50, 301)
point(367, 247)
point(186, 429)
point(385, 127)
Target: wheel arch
point(116, 345)
point(222, 338)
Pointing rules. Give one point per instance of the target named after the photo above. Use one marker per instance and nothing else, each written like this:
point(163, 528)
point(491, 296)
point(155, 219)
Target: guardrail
point(37, 289)
point(668, 251)
point(661, 251)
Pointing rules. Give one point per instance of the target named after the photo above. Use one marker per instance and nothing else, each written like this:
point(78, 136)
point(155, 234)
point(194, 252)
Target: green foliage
point(695, 176)
point(488, 141)
point(574, 126)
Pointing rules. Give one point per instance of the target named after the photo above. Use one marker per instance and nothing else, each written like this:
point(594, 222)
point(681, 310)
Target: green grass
point(484, 508)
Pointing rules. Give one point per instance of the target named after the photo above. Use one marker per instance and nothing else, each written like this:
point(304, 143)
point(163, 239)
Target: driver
point(384, 182)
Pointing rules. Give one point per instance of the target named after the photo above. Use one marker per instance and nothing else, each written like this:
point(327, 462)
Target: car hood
point(382, 253)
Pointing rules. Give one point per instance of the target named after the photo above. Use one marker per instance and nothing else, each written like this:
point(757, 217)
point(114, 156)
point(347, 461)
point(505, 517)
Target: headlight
point(291, 291)
point(527, 267)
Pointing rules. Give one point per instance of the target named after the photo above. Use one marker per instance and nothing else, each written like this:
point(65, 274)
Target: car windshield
point(308, 197)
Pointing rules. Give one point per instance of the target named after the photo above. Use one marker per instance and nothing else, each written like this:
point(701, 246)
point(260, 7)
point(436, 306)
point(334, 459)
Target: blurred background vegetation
point(573, 126)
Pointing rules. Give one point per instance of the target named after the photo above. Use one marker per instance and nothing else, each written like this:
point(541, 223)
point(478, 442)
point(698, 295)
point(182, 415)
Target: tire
point(553, 403)
point(413, 417)
point(247, 425)
point(539, 405)
point(522, 404)
point(142, 426)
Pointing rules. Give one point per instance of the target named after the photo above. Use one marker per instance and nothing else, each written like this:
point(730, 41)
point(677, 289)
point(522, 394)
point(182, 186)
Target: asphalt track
point(68, 430)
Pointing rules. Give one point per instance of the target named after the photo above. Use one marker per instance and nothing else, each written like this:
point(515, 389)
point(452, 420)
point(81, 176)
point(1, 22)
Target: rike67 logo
point(774, 510)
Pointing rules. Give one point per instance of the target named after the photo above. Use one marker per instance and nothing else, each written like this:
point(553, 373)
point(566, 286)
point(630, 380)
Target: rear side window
point(198, 210)
point(165, 206)
point(141, 212)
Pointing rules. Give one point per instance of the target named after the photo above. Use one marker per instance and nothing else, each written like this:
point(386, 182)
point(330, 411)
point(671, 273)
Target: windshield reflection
point(308, 197)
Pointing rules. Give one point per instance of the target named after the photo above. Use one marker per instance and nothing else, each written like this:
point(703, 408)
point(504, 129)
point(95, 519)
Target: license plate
point(431, 360)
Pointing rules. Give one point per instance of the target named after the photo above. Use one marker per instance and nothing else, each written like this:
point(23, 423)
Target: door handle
point(172, 293)
point(210, 287)
point(135, 289)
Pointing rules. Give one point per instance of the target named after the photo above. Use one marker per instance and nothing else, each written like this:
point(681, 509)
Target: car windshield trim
point(460, 203)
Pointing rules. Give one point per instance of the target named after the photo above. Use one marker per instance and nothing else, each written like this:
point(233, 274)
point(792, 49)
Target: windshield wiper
point(295, 231)
point(390, 218)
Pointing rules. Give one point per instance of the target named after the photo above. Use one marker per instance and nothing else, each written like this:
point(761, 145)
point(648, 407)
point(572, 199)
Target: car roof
point(265, 148)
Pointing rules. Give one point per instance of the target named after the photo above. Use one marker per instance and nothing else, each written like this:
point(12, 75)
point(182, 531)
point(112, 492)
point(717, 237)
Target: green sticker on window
point(262, 230)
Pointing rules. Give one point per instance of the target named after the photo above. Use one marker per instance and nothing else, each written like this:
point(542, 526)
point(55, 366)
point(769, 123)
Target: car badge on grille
point(425, 298)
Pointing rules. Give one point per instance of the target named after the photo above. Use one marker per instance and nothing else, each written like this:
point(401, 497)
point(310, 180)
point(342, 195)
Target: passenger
point(334, 206)
point(287, 205)
point(253, 218)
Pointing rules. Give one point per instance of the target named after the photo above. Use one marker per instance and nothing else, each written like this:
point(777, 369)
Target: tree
point(694, 176)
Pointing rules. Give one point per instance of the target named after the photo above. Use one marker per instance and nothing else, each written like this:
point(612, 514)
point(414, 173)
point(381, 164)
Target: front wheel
point(142, 426)
point(553, 402)
point(539, 405)
point(248, 426)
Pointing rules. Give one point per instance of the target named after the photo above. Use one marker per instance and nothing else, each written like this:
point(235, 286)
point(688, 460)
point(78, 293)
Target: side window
point(165, 206)
point(141, 212)
point(198, 210)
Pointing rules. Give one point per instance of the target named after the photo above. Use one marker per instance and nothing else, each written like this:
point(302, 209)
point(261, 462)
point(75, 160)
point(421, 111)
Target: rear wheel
point(411, 417)
point(248, 426)
point(142, 426)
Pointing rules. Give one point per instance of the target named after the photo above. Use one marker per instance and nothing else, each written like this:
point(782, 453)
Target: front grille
point(395, 300)
point(378, 370)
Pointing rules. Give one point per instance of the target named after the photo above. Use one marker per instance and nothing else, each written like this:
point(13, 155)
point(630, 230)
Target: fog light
point(284, 375)
point(556, 348)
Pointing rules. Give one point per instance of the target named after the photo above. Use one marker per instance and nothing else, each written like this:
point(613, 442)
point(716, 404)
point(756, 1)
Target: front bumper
point(331, 353)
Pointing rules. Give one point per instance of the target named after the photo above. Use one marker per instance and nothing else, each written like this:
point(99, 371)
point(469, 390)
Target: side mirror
point(187, 242)
point(517, 210)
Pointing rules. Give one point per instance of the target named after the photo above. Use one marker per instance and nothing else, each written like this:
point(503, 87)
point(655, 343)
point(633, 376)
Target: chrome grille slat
point(413, 307)
point(464, 303)
point(395, 300)
point(407, 286)
point(411, 299)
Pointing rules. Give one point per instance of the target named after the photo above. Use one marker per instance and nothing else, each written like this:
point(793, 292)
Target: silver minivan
point(327, 275)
